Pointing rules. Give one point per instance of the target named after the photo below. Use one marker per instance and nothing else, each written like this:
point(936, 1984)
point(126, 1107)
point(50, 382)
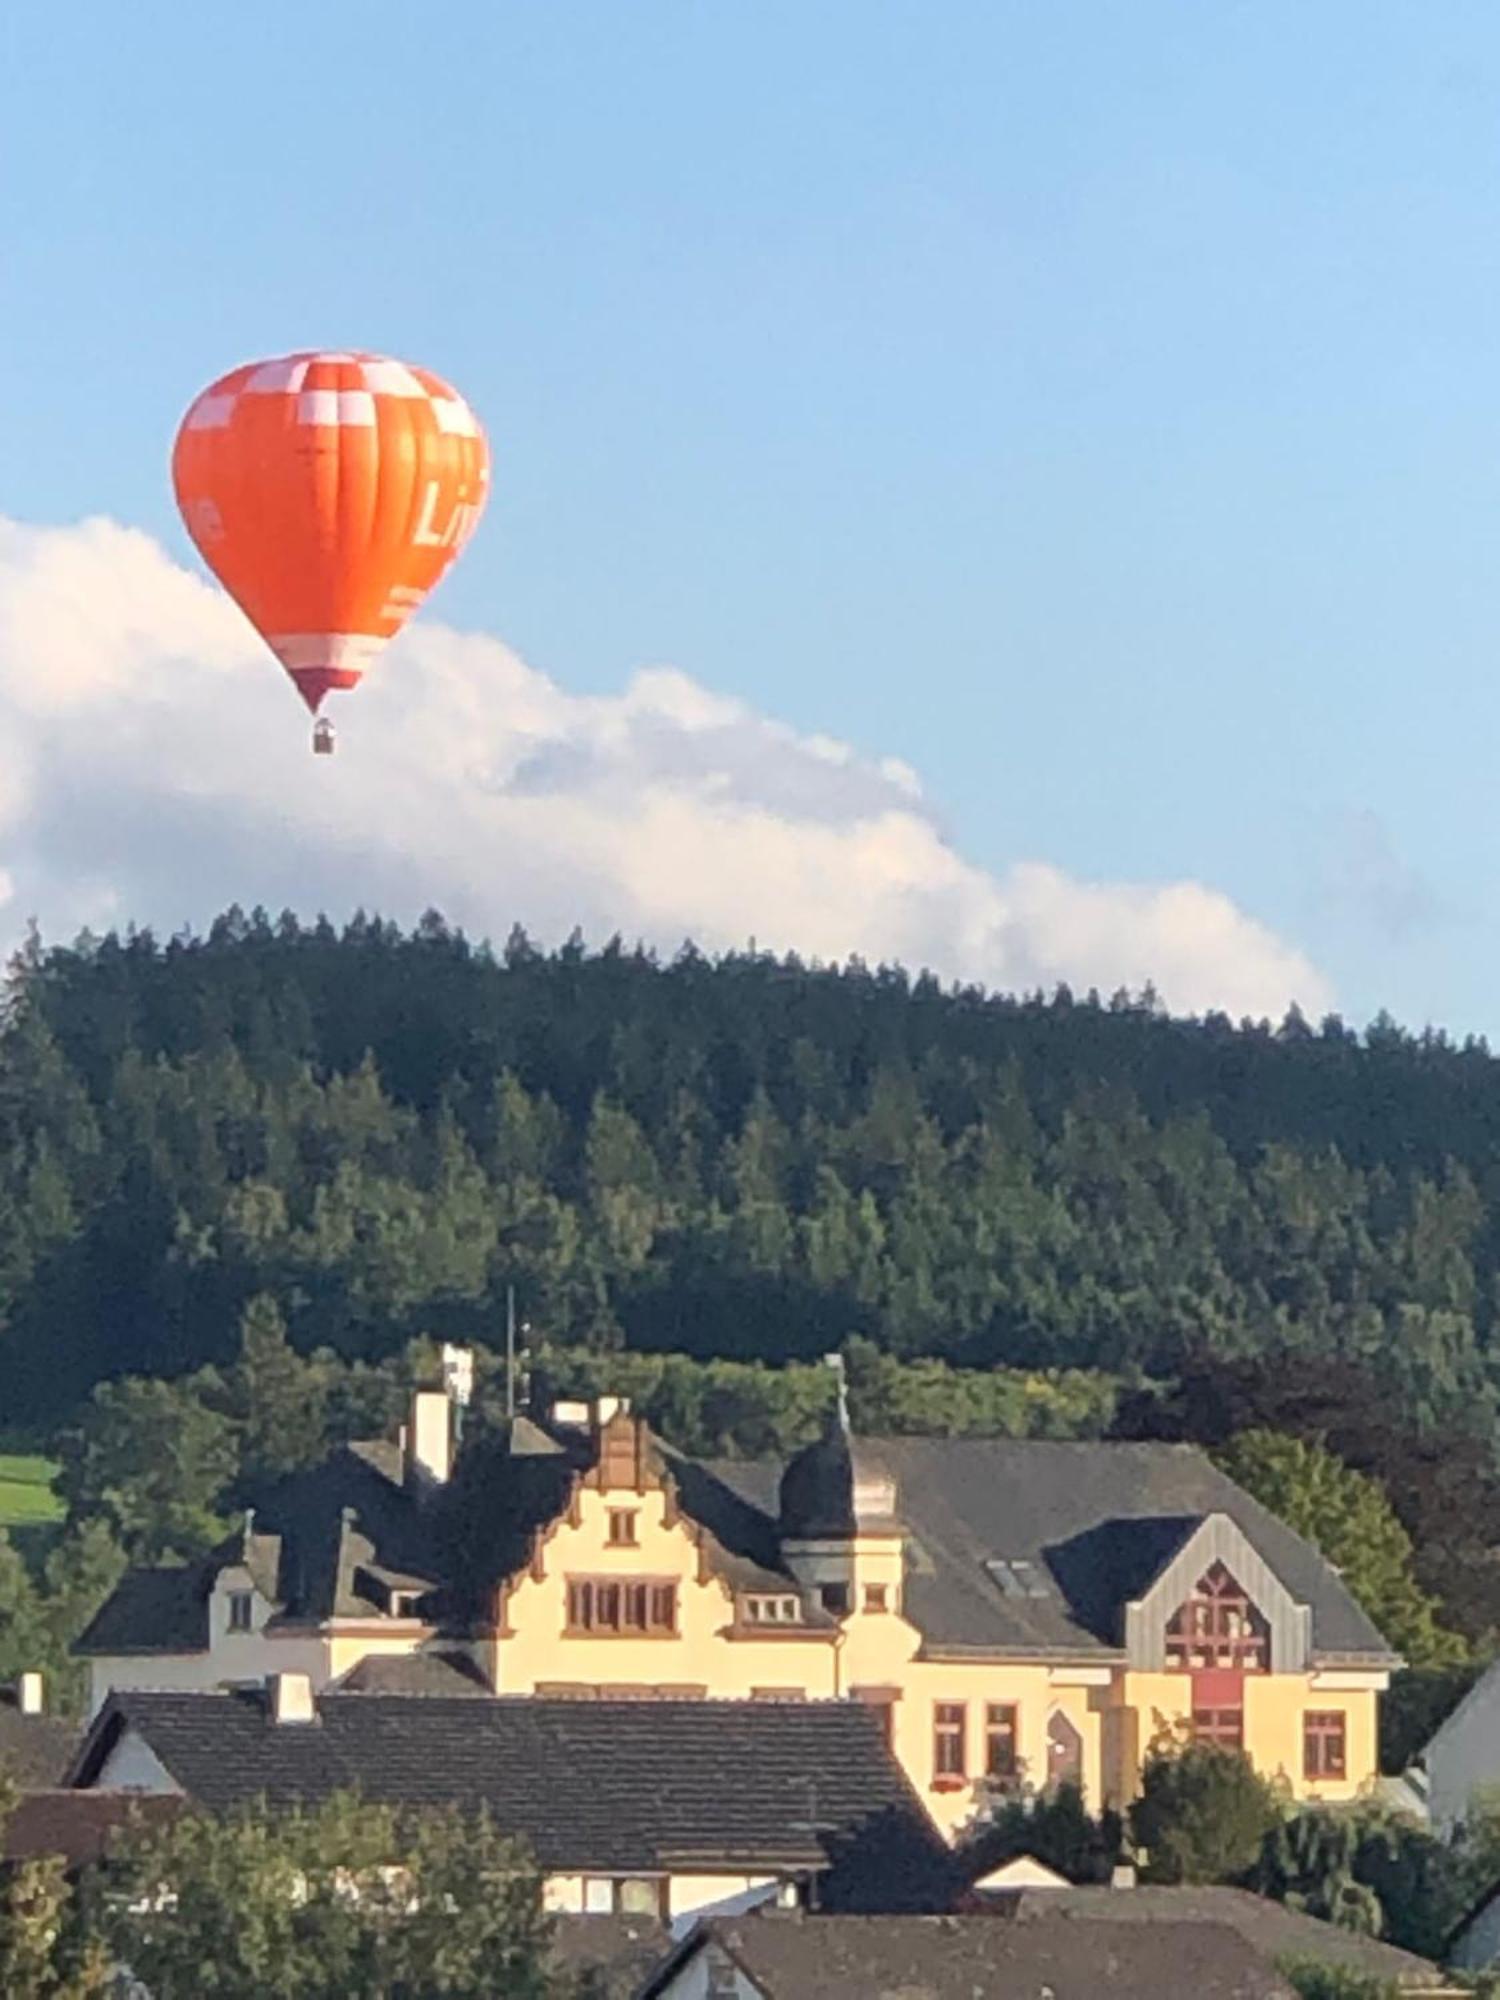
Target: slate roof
point(1097, 1522)
point(612, 1786)
point(152, 1611)
point(35, 1750)
point(436, 1673)
point(1271, 1928)
point(799, 1957)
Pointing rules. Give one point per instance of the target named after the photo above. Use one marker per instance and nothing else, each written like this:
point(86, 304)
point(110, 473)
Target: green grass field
point(26, 1496)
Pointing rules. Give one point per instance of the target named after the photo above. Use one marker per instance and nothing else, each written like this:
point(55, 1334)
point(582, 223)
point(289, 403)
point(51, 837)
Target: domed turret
point(835, 1489)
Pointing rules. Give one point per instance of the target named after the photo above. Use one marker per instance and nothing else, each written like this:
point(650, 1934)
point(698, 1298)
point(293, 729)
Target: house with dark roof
point(961, 1958)
point(660, 1809)
point(1013, 1611)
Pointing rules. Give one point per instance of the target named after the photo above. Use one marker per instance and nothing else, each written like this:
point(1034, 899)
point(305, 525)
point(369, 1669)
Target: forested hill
point(744, 1157)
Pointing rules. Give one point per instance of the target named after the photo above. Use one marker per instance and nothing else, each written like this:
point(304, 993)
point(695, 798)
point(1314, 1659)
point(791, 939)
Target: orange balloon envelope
point(329, 493)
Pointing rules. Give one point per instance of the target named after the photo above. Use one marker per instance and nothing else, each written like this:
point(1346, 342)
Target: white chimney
point(291, 1698)
point(31, 1696)
point(429, 1436)
point(610, 1406)
point(571, 1416)
point(458, 1374)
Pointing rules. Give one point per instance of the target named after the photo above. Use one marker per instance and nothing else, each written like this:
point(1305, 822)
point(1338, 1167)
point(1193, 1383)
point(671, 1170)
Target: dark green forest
point(1225, 1226)
point(746, 1157)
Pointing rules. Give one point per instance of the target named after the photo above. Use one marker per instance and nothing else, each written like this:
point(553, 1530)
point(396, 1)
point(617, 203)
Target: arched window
point(1218, 1626)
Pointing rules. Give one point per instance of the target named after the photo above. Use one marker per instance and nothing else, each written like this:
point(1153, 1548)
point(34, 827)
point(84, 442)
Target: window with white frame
point(242, 1611)
point(772, 1610)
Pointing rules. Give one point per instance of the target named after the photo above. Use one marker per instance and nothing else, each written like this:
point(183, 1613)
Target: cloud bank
point(153, 770)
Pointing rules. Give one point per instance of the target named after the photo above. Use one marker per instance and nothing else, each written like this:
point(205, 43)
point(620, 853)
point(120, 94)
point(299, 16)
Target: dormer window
point(1219, 1627)
point(404, 1603)
point(241, 1611)
point(769, 1610)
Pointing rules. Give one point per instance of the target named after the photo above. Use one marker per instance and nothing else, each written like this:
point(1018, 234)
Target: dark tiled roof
point(959, 1958)
point(152, 1611)
point(1097, 1521)
point(76, 1825)
point(415, 1674)
point(610, 1957)
point(596, 1785)
point(1271, 1928)
point(35, 1750)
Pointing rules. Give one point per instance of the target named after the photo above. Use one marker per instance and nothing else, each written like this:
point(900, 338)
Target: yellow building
point(1018, 1612)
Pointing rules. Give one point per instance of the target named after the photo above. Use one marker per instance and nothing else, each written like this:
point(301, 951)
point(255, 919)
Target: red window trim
point(1325, 1743)
point(1002, 1724)
point(623, 1607)
point(950, 1745)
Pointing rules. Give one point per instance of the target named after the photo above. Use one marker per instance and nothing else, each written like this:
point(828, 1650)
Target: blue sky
point(1091, 405)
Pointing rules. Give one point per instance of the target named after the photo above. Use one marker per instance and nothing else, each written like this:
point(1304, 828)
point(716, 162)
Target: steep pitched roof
point(618, 1786)
point(1014, 1546)
point(152, 1611)
point(1076, 1530)
point(957, 1958)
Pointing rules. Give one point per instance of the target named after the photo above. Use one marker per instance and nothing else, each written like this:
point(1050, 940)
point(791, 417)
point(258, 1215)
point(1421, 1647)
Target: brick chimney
point(290, 1698)
point(622, 1445)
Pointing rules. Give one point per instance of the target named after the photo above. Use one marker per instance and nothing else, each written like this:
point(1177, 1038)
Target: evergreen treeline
point(746, 1158)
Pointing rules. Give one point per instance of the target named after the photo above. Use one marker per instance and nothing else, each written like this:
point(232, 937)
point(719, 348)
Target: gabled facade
point(1015, 1612)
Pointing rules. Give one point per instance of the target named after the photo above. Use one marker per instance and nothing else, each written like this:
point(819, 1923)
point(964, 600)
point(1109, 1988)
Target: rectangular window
point(1324, 1754)
point(771, 1610)
point(241, 1610)
point(877, 1597)
point(1000, 1740)
point(621, 1610)
point(1222, 1726)
point(622, 1527)
point(949, 1729)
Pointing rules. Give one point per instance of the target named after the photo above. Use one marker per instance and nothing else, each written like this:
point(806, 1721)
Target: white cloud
point(151, 768)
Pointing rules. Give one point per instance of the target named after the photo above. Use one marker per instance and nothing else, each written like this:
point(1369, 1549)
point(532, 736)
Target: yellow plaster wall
point(1275, 1705)
point(537, 1647)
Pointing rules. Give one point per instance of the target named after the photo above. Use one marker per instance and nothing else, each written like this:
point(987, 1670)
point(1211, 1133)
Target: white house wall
point(133, 1766)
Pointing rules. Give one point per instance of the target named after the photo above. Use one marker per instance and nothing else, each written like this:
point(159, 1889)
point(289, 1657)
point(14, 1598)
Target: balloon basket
point(322, 738)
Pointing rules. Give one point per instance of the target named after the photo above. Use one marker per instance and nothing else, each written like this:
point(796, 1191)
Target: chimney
point(607, 1407)
point(428, 1437)
point(291, 1698)
point(571, 1416)
point(1122, 1876)
point(31, 1698)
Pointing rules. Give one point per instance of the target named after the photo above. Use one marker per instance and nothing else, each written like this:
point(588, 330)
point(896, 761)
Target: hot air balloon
point(328, 493)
